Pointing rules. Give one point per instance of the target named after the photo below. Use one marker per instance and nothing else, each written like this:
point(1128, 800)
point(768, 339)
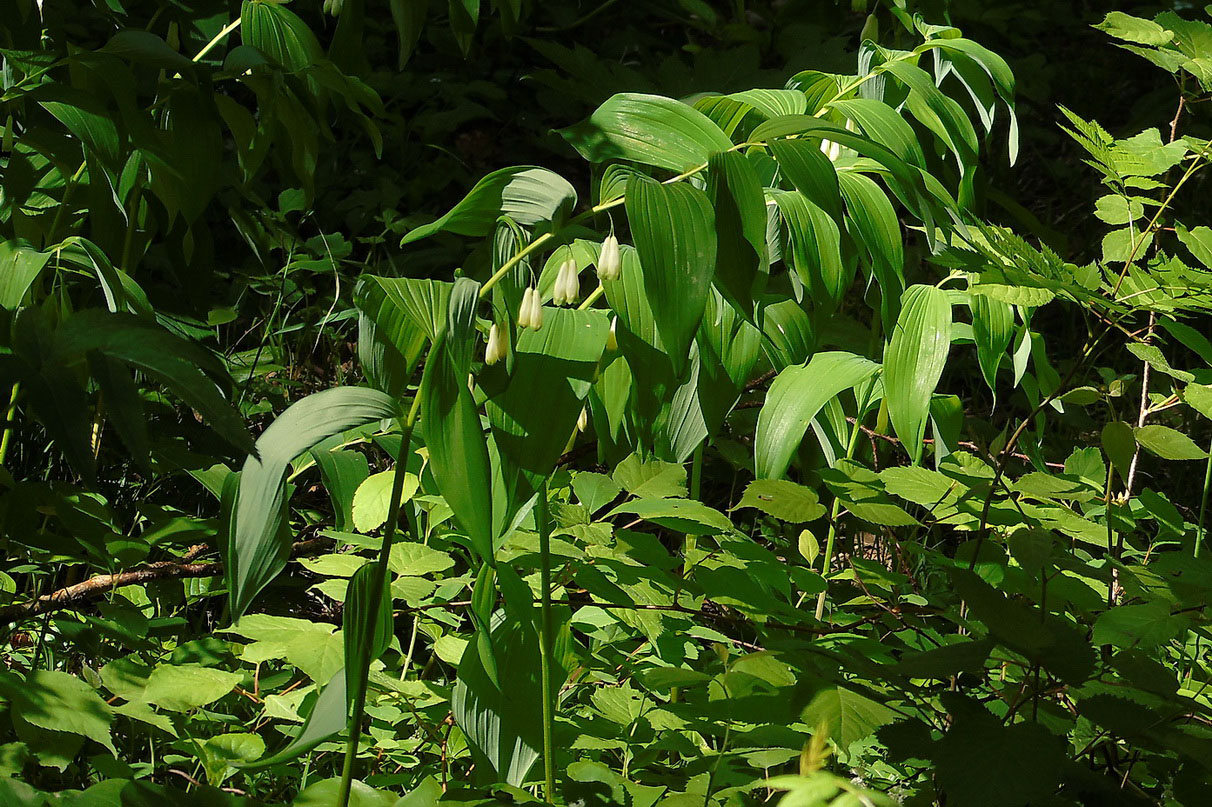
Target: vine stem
point(546, 644)
point(376, 594)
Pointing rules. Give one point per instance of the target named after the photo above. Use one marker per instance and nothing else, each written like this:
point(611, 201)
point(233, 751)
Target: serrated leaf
point(782, 499)
point(1167, 443)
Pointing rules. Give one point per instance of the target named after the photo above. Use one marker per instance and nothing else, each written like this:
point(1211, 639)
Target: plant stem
point(10, 415)
point(219, 37)
point(376, 593)
point(545, 644)
point(696, 484)
point(1203, 503)
point(831, 536)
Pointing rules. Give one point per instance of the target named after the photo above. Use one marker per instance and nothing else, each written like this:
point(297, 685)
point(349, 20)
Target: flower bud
point(524, 308)
point(567, 285)
point(583, 420)
point(610, 262)
point(530, 315)
point(496, 346)
point(612, 342)
point(333, 7)
point(536, 312)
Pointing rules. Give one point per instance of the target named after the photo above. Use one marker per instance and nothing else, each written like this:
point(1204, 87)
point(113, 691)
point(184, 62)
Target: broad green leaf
point(1134, 29)
point(682, 515)
point(787, 333)
point(1167, 443)
point(343, 473)
point(458, 451)
point(795, 398)
point(812, 173)
point(742, 260)
point(847, 715)
point(279, 34)
point(885, 126)
point(946, 117)
point(816, 249)
point(180, 688)
point(673, 230)
point(876, 227)
point(222, 754)
point(992, 330)
point(534, 406)
point(651, 479)
point(367, 622)
point(371, 502)
point(914, 360)
point(258, 540)
point(1119, 444)
point(595, 490)
point(502, 722)
point(20, 266)
point(528, 195)
point(647, 129)
point(1147, 625)
point(58, 702)
point(784, 500)
point(1199, 398)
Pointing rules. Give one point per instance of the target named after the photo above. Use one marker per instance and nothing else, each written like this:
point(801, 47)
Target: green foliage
point(848, 482)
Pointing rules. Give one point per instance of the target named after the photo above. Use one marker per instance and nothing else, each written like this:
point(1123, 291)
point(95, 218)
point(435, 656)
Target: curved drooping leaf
point(181, 366)
point(795, 398)
point(528, 195)
point(946, 118)
point(788, 334)
point(812, 173)
point(647, 129)
point(742, 260)
point(882, 124)
point(878, 229)
point(20, 265)
point(992, 330)
point(914, 360)
point(673, 227)
point(729, 347)
point(458, 452)
point(258, 541)
point(816, 248)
